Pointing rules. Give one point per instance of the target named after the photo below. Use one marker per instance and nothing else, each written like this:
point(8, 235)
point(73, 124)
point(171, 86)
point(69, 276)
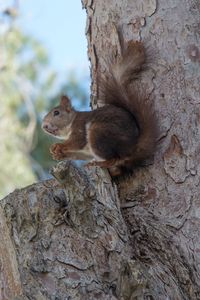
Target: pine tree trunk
point(84, 237)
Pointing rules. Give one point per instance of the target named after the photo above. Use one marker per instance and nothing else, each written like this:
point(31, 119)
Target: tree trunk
point(83, 236)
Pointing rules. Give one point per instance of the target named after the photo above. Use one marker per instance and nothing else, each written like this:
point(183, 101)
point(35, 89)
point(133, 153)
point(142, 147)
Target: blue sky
point(60, 26)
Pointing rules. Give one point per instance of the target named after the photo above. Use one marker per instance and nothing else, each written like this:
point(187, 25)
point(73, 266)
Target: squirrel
point(119, 135)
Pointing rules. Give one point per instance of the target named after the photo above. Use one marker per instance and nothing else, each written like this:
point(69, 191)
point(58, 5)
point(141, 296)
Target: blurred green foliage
point(28, 90)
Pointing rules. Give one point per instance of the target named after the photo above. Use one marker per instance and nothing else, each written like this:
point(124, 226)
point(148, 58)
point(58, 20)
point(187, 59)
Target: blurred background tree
point(29, 88)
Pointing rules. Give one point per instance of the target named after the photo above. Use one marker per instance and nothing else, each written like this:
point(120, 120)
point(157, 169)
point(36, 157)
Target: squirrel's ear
point(66, 103)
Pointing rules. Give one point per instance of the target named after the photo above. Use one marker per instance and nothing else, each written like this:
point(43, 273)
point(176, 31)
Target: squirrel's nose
point(45, 126)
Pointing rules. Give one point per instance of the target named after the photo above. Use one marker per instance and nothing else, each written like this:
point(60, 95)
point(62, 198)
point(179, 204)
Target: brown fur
point(118, 135)
point(116, 90)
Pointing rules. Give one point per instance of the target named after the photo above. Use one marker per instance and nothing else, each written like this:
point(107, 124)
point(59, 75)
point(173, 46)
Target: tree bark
point(83, 236)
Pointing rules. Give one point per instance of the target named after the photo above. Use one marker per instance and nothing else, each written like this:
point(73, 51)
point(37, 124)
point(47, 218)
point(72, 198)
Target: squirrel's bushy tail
point(116, 90)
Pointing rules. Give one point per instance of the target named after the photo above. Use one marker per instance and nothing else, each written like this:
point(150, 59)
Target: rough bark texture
point(80, 238)
point(63, 245)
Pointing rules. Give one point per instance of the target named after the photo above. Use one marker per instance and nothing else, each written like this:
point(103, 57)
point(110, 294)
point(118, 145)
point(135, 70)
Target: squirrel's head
point(58, 121)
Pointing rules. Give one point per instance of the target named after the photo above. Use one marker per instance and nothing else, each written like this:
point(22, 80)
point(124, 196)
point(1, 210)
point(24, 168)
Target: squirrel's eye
point(56, 113)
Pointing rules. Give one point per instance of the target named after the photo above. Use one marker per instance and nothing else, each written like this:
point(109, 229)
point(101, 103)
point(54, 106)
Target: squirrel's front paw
point(56, 151)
